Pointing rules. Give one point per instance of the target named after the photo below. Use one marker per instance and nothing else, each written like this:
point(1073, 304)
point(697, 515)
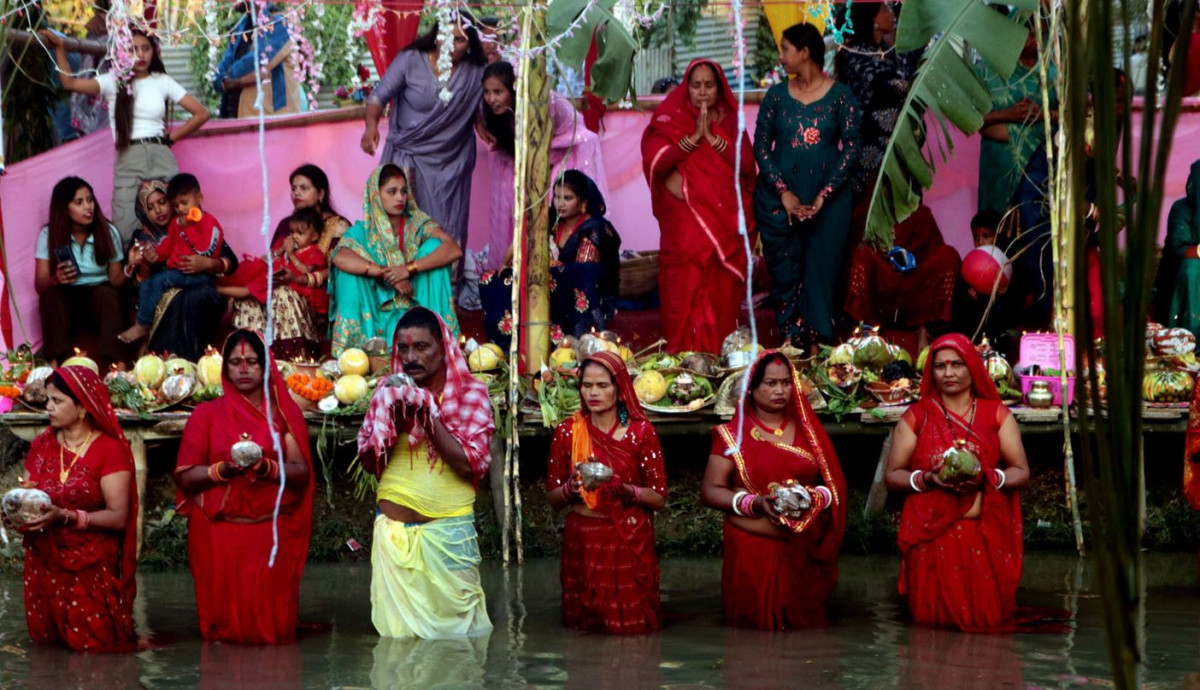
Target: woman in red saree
point(960, 543)
point(609, 568)
point(239, 596)
point(688, 155)
point(81, 554)
point(779, 571)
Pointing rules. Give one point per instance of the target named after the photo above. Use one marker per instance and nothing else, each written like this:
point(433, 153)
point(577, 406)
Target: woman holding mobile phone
point(78, 271)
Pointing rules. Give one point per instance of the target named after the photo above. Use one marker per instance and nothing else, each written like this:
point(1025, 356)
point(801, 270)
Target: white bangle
point(912, 481)
point(737, 497)
point(1001, 478)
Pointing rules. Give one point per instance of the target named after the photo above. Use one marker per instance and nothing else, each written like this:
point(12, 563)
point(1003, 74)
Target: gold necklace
point(778, 432)
point(64, 471)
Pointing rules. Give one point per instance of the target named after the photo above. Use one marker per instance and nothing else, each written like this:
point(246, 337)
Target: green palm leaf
point(946, 91)
point(612, 75)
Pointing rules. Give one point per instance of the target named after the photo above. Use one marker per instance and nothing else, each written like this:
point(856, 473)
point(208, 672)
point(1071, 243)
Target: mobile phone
point(64, 255)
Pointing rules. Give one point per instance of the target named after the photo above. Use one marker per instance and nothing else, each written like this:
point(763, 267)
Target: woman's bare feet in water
point(134, 333)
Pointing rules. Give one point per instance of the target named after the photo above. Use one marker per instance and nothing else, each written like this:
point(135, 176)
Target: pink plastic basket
point(1042, 349)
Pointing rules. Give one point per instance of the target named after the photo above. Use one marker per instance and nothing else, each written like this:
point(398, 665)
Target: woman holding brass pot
point(228, 476)
point(606, 468)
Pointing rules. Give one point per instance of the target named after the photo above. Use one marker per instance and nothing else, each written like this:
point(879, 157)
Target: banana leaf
point(945, 92)
point(612, 73)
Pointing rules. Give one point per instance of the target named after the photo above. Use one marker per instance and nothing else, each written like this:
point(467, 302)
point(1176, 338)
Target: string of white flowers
point(447, 19)
point(120, 45)
point(214, 43)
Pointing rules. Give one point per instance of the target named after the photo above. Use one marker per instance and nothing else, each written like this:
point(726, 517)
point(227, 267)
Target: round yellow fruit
point(350, 388)
point(208, 369)
point(81, 361)
point(354, 361)
point(483, 358)
point(650, 387)
point(625, 353)
point(564, 358)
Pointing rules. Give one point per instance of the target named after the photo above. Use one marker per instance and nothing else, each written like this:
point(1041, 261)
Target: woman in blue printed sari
point(392, 260)
point(585, 265)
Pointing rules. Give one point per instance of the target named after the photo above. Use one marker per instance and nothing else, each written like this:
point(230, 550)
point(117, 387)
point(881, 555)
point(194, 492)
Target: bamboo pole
point(531, 249)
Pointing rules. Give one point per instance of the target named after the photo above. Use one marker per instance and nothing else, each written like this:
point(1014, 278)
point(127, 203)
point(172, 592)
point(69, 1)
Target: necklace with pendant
point(778, 433)
point(64, 470)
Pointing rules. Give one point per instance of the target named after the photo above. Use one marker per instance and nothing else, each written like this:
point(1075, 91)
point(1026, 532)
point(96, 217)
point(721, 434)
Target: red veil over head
point(981, 384)
point(708, 183)
point(811, 440)
point(91, 392)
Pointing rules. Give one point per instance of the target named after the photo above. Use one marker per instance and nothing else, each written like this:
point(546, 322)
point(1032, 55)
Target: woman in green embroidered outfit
point(392, 260)
point(1014, 129)
point(806, 145)
point(1178, 284)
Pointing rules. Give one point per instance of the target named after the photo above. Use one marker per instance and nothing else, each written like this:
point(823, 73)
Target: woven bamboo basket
point(639, 275)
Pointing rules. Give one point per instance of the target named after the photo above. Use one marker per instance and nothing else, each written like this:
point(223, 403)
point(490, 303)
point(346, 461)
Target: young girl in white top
point(138, 121)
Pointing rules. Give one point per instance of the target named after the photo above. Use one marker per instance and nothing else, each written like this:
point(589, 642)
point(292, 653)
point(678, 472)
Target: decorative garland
point(447, 19)
point(120, 45)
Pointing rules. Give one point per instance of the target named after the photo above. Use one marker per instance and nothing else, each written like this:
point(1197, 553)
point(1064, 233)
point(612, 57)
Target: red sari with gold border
point(609, 569)
point(702, 258)
point(80, 585)
point(955, 571)
point(781, 583)
point(239, 598)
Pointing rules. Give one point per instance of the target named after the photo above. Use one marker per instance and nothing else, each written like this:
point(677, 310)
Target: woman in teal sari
point(394, 259)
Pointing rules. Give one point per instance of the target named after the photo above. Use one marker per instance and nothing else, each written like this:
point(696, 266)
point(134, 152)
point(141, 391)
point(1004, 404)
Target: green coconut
point(873, 353)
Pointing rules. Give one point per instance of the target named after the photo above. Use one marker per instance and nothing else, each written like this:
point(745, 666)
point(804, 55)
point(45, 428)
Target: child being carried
point(193, 232)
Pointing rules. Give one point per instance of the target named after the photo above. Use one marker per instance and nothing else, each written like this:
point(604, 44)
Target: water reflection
point(869, 643)
point(244, 666)
point(404, 664)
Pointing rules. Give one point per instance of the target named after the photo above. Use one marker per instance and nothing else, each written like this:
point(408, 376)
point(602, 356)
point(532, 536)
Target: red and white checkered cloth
point(466, 410)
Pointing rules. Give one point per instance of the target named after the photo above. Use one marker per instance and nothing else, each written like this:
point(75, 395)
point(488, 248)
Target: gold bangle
point(413, 268)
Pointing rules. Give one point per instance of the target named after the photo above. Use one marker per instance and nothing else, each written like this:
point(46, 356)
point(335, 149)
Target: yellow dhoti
point(425, 576)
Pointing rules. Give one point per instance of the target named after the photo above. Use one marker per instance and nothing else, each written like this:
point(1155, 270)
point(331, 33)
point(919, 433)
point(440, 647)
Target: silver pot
point(245, 453)
point(593, 474)
point(791, 500)
point(22, 506)
point(739, 359)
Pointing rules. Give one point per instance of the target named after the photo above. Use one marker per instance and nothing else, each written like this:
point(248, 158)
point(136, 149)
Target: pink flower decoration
point(506, 323)
point(486, 277)
point(581, 302)
point(556, 334)
point(812, 136)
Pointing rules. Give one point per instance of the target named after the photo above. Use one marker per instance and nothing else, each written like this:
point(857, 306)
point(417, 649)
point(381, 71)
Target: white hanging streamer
point(740, 71)
point(268, 337)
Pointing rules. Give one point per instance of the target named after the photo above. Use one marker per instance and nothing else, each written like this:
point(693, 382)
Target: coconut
point(376, 346)
point(872, 353)
point(700, 363)
point(650, 387)
point(736, 341)
point(959, 464)
point(842, 354)
point(150, 370)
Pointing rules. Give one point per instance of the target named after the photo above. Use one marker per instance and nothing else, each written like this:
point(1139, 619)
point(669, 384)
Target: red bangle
point(82, 519)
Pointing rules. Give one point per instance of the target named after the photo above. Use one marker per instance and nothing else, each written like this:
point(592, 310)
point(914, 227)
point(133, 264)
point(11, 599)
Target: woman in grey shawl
point(432, 139)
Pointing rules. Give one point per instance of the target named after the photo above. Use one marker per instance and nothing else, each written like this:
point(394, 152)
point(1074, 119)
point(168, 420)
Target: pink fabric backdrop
point(229, 171)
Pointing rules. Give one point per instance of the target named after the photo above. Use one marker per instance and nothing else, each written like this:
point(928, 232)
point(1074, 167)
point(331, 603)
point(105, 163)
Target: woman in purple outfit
point(429, 138)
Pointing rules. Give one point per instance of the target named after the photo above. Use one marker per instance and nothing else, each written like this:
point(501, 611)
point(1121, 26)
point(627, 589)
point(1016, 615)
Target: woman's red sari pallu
point(702, 258)
point(960, 572)
point(80, 585)
point(238, 597)
point(785, 582)
point(610, 573)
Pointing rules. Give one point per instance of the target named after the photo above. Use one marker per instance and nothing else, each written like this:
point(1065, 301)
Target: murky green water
point(868, 646)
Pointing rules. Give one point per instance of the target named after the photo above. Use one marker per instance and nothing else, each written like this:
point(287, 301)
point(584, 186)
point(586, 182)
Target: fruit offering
point(208, 369)
point(959, 464)
point(350, 388)
point(1167, 386)
point(650, 386)
point(354, 361)
point(22, 506)
point(150, 370)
